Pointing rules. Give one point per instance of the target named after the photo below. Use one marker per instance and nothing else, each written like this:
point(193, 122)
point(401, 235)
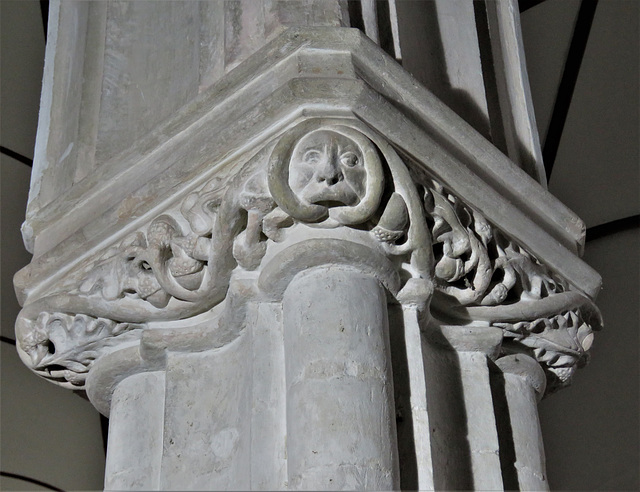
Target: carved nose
point(332, 180)
point(329, 173)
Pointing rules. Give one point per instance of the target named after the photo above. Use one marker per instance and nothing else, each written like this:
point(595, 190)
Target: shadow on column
point(451, 455)
point(452, 468)
point(402, 398)
point(505, 432)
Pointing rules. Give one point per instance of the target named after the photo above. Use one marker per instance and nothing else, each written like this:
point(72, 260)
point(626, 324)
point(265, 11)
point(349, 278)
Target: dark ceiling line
point(567, 85)
point(613, 227)
point(30, 480)
point(44, 12)
point(527, 4)
point(16, 156)
point(8, 340)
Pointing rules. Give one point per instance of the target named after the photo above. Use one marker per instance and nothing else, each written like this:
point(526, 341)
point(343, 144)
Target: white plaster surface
point(481, 424)
point(340, 424)
point(524, 383)
point(388, 196)
point(580, 460)
point(269, 402)
point(412, 414)
point(208, 420)
point(136, 424)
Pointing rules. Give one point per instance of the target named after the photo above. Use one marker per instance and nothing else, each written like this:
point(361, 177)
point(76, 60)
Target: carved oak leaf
point(63, 347)
point(559, 342)
point(113, 275)
point(200, 208)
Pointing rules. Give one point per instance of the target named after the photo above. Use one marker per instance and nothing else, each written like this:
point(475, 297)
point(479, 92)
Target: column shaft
point(134, 454)
point(268, 401)
point(465, 448)
point(340, 413)
point(524, 383)
point(481, 423)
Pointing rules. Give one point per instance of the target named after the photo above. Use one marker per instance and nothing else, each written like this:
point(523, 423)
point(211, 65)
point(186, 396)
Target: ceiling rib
point(8, 340)
point(613, 227)
point(44, 11)
point(15, 155)
point(34, 481)
point(570, 74)
point(527, 4)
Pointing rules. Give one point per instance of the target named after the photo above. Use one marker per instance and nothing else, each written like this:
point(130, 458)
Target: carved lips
point(326, 168)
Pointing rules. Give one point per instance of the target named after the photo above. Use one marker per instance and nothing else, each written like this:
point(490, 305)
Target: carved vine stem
point(326, 174)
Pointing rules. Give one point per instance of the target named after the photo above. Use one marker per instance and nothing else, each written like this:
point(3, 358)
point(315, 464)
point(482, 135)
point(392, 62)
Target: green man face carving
point(327, 168)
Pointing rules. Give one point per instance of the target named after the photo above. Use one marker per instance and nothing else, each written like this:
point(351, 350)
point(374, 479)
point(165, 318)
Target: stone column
point(181, 403)
point(461, 407)
point(292, 268)
point(334, 281)
point(340, 412)
point(136, 433)
point(523, 382)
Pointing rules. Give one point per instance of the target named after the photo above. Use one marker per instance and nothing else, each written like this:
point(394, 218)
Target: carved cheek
point(356, 177)
point(300, 174)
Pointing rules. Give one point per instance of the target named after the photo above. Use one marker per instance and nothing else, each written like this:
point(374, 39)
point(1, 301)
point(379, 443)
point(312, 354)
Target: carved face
point(327, 168)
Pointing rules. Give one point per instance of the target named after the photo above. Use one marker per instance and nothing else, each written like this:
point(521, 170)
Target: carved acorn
point(394, 220)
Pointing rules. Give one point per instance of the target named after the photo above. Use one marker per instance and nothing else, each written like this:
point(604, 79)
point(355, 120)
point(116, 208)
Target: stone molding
point(314, 270)
point(526, 368)
point(335, 183)
point(303, 73)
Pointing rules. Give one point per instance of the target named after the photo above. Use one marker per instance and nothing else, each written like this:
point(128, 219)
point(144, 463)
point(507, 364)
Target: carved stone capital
point(343, 168)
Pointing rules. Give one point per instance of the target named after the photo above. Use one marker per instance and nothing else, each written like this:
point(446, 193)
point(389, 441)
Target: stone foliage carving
point(61, 347)
point(321, 174)
point(560, 343)
point(483, 275)
point(327, 174)
point(475, 264)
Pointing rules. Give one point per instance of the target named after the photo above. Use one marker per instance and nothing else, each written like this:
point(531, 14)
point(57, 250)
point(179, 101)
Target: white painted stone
point(135, 444)
point(327, 220)
point(269, 402)
point(464, 80)
point(461, 408)
point(412, 410)
point(294, 274)
point(208, 419)
point(481, 424)
point(524, 385)
point(117, 69)
point(340, 415)
point(522, 143)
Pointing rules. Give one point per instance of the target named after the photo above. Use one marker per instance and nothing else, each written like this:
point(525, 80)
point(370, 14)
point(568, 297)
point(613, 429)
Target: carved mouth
point(332, 197)
point(331, 203)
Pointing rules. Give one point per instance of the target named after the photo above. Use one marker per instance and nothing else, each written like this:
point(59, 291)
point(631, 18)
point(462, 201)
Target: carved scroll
point(330, 174)
point(481, 274)
point(321, 174)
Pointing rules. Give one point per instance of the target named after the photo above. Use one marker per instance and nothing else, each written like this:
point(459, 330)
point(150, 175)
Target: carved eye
point(311, 156)
point(349, 159)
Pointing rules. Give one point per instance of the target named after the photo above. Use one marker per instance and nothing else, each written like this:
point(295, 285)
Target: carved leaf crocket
point(321, 174)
